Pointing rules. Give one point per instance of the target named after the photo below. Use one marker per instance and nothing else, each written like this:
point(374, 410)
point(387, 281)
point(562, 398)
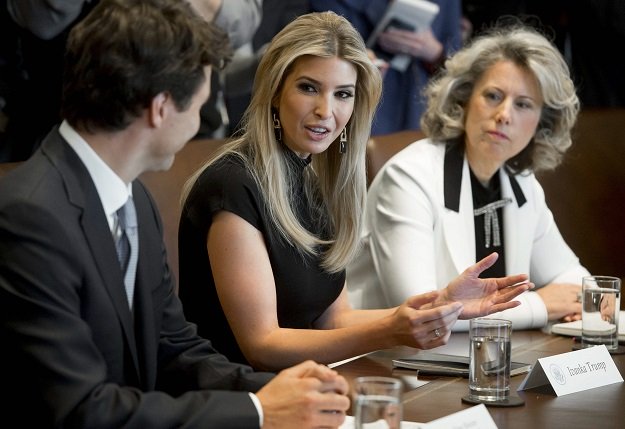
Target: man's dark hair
point(124, 53)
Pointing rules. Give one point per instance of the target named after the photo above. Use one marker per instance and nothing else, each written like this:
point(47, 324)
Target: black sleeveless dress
point(303, 289)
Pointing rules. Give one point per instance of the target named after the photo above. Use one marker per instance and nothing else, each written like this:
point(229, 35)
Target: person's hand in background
point(422, 45)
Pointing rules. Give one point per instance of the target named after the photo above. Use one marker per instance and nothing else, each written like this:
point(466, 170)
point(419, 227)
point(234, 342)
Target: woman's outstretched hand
point(481, 297)
point(418, 323)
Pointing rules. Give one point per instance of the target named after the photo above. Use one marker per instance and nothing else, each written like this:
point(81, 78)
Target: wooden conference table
point(602, 407)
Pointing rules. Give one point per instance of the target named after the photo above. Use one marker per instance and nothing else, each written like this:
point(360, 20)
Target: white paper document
point(380, 424)
point(474, 417)
point(574, 329)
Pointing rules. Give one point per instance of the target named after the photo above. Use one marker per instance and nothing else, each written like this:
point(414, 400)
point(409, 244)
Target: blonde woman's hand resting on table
point(481, 297)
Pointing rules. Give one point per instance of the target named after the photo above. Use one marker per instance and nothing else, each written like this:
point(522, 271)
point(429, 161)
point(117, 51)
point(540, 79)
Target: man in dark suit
point(89, 340)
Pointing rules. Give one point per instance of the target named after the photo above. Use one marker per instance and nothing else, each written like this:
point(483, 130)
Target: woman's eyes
point(306, 87)
point(344, 94)
point(524, 104)
point(309, 88)
point(498, 97)
point(491, 95)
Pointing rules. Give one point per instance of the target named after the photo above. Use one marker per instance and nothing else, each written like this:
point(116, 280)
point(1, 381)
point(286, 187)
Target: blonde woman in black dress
point(272, 220)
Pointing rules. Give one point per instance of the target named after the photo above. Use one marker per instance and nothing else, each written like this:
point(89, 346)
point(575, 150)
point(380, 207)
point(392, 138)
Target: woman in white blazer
point(502, 110)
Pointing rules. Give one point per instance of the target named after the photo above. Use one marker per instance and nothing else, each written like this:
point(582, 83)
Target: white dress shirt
point(111, 188)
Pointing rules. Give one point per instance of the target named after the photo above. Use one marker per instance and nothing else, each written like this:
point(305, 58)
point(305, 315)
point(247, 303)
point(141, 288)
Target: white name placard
point(574, 371)
point(476, 417)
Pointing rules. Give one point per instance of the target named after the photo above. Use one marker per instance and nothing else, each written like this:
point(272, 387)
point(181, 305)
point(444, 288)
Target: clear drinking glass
point(489, 364)
point(601, 303)
point(376, 401)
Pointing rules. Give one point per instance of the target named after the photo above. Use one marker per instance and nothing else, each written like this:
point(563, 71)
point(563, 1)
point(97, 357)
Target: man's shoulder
point(27, 178)
point(41, 181)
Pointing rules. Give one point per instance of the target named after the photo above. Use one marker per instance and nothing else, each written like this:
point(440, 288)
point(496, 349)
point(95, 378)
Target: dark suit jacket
point(71, 356)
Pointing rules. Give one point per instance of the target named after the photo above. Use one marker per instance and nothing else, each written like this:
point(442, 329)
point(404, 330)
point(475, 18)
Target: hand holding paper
point(410, 16)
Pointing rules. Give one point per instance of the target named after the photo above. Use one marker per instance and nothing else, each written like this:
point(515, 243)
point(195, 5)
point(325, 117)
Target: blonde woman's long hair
point(336, 182)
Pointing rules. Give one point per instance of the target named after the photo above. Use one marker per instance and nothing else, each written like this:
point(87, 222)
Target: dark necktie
point(127, 245)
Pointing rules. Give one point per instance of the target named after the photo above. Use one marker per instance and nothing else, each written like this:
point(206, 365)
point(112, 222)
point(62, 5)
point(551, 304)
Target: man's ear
point(158, 109)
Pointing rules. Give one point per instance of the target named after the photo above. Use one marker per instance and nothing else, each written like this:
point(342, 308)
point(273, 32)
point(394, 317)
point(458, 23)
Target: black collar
point(454, 159)
point(296, 161)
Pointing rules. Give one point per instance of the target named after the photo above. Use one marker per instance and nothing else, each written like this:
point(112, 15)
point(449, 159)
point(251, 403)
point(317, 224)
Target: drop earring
point(343, 141)
point(277, 127)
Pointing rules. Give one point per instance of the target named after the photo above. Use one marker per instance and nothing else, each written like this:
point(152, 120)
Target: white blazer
point(412, 243)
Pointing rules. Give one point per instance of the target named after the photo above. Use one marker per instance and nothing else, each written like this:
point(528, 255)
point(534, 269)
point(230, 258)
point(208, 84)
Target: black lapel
point(516, 189)
point(454, 160)
point(149, 276)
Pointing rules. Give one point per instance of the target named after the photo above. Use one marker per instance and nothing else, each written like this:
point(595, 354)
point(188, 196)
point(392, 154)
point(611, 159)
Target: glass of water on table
point(601, 302)
point(377, 402)
point(490, 363)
